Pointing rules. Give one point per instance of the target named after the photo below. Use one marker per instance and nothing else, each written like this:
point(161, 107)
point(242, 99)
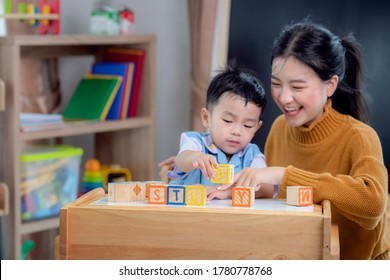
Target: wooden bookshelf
point(130, 142)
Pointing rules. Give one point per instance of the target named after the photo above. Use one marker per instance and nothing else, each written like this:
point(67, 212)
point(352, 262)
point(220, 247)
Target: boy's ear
point(205, 117)
point(259, 125)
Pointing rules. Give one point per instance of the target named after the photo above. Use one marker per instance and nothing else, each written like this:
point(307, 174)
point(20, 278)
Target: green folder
point(92, 98)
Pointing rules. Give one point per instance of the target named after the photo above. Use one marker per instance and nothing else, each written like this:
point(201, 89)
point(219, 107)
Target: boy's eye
point(227, 121)
point(274, 84)
point(248, 126)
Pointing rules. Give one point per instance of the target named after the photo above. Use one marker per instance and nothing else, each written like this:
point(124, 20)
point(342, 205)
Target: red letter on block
point(157, 194)
point(299, 196)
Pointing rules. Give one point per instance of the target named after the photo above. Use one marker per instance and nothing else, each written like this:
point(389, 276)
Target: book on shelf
point(39, 121)
point(130, 55)
point(92, 98)
point(120, 104)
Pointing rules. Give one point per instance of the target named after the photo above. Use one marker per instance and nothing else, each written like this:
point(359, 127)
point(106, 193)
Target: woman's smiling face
point(298, 91)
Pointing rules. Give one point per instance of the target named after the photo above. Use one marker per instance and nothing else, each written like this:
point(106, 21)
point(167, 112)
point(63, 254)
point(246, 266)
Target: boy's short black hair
point(239, 81)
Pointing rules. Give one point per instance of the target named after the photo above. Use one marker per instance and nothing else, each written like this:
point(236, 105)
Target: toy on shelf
point(92, 178)
point(45, 16)
point(115, 173)
point(26, 248)
point(107, 20)
point(48, 180)
point(98, 176)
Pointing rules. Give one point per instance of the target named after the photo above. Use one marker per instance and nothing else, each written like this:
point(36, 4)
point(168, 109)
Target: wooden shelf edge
point(87, 127)
point(30, 16)
point(33, 40)
point(40, 225)
point(4, 199)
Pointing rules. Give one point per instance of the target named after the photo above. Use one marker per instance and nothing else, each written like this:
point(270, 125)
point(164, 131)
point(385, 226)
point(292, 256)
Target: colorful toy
point(126, 21)
point(49, 179)
point(45, 16)
point(26, 248)
point(114, 173)
point(99, 176)
point(92, 178)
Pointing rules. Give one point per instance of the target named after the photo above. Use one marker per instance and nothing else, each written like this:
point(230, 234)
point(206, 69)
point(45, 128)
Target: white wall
point(168, 20)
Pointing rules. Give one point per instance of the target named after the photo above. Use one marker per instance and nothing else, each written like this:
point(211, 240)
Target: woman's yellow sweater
point(341, 158)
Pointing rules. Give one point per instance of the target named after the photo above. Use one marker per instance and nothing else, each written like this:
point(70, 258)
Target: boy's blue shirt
point(251, 156)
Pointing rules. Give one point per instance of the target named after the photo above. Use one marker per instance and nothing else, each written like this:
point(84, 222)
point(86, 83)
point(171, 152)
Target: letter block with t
point(225, 174)
point(243, 196)
point(157, 194)
point(195, 196)
point(299, 196)
point(176, 195)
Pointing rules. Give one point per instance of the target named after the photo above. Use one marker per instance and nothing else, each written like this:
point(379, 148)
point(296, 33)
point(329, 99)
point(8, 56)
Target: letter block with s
point(157, 194)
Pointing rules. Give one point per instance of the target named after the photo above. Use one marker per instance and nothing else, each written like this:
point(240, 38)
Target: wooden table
point(92, 228)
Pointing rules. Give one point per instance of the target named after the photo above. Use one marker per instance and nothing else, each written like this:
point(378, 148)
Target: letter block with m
point(299, 195)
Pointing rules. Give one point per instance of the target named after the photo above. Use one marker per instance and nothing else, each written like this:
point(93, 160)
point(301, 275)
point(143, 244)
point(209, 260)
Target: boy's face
point(232, 123)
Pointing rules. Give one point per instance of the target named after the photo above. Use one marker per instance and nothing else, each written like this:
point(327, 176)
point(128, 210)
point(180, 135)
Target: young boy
point(235, 100)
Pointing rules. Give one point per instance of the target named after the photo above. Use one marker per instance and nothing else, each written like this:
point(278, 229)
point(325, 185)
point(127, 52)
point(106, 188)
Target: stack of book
point(36, 121)
point(112, 90)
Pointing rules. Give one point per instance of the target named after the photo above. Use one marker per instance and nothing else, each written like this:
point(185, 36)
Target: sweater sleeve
point(360, 195)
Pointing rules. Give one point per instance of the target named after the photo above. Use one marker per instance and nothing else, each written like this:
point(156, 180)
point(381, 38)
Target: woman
point(322, 140)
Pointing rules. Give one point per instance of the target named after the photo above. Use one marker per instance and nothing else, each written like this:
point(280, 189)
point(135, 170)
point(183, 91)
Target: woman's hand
point(213, 192)
point(255, 177)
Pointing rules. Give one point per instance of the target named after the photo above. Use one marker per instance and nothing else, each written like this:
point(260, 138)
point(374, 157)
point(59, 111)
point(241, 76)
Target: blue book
point(117, 69)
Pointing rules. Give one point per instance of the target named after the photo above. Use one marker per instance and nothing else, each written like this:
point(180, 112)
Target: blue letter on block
point(176, 195)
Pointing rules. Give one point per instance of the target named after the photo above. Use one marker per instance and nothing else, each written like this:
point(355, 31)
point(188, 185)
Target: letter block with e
point(157, 194)
point(195, 196)
point(243, 196)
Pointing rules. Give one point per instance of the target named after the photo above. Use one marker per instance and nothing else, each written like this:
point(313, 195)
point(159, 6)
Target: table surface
point(260, 204)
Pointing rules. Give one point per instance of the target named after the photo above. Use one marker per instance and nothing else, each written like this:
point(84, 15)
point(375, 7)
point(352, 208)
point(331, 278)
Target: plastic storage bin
point(50, 178)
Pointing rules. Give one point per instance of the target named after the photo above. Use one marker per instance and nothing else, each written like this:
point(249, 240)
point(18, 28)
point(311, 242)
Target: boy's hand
point(206, 163)
point(168, 162)
point(213, 192)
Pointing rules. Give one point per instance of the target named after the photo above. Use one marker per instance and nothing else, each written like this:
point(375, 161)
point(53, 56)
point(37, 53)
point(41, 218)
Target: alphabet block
point(225, 174)
point(195, 196)
point(243, 196)
point(299, 196)
point(176, 195)
point(157, 194)
point(148, 183)
point(118, 192)
point(126, 191)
